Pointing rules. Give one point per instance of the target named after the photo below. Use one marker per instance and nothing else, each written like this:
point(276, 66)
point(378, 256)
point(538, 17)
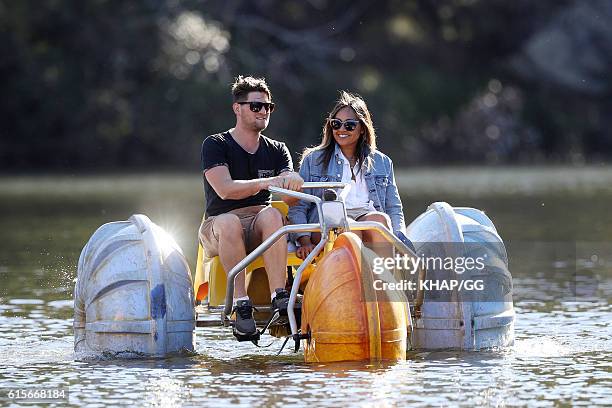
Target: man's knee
point(228, 226)
point(269, 219)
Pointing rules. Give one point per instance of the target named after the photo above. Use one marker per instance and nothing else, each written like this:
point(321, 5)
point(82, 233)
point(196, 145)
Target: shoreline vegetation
point(473, 181)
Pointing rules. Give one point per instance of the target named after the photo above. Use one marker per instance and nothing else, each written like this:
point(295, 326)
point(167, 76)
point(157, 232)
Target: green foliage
point(110, 85)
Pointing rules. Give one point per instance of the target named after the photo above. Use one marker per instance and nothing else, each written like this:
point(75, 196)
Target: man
point(238, 167)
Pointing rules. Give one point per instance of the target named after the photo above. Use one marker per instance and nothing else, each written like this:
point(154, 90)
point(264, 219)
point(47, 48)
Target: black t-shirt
point(271, 159)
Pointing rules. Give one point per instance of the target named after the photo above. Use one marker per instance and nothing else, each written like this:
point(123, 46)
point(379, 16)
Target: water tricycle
point(348, 301)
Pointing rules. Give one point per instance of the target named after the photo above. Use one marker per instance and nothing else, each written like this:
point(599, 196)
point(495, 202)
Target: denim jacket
point(379, 179)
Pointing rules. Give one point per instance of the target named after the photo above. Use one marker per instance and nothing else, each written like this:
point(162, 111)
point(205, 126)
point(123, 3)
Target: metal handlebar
point(324, 184)
point(296, 194)
point(309, 197)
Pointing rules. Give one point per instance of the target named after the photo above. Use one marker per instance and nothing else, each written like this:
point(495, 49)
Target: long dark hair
point(367, 140)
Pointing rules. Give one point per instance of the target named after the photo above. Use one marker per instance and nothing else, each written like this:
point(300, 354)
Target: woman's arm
point(393, 202)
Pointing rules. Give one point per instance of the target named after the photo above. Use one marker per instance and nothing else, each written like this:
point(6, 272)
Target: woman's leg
point(372, 235)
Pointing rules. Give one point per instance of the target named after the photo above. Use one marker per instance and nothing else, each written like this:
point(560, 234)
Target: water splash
point(541, 347)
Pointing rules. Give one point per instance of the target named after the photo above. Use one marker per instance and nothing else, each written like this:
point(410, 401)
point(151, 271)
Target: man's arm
point(221, 181)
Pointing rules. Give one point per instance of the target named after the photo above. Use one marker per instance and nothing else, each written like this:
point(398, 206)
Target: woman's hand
point(305, 247)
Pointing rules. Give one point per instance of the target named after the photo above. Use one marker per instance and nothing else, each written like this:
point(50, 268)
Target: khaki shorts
point(247, 216)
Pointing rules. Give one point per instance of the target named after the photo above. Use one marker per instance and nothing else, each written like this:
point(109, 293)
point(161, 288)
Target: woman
point(348, 153)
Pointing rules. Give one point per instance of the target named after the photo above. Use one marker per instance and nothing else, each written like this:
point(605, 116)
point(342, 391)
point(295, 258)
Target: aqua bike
point(133, 293)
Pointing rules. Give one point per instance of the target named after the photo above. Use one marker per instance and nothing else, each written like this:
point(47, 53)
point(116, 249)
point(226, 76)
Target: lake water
point(557, 225)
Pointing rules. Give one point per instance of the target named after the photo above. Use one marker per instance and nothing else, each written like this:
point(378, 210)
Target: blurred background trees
point(105, 84)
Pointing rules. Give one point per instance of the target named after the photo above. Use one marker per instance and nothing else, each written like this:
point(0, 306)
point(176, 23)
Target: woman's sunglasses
point(256, 106)
point(349, 124)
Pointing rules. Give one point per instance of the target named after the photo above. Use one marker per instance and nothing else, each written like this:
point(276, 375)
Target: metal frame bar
point(231, 275)
point(384, 231)
point(321, 227)
point(297, 280)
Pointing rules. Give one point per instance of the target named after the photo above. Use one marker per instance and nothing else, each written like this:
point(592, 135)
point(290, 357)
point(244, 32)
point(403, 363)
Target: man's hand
point(289, 180)
point(294, 180)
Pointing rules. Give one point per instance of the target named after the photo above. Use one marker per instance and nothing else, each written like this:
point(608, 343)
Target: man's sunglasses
point(256, 106)
point(349, 124)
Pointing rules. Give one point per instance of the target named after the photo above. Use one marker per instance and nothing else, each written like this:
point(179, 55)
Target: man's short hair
point(243, 85)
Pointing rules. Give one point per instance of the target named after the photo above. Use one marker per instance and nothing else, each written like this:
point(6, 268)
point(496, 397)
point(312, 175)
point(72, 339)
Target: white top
point(358, 196)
